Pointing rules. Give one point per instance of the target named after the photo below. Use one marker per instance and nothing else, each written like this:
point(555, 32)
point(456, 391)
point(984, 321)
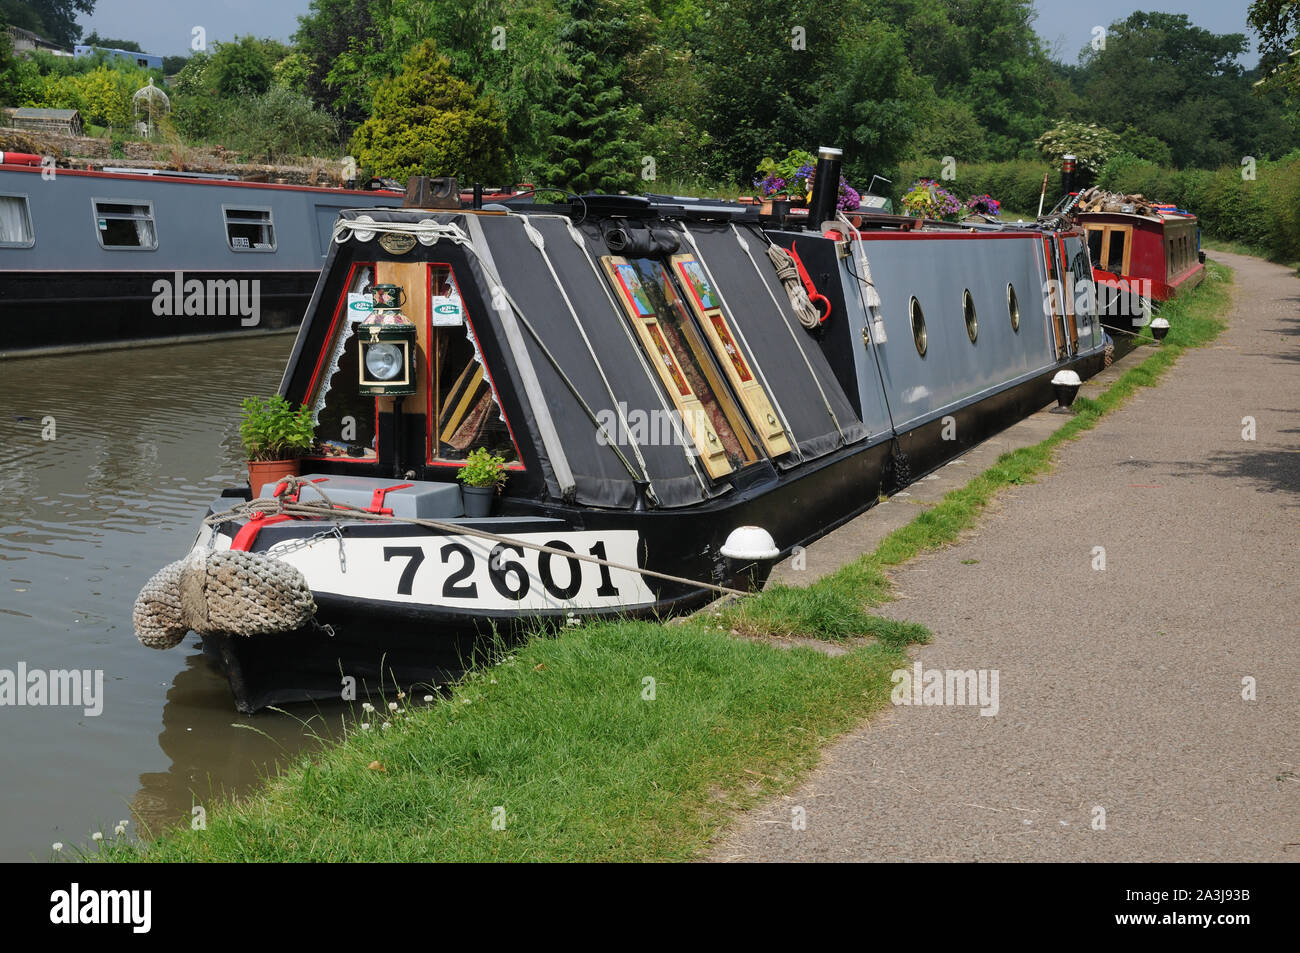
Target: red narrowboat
point(1139, 259)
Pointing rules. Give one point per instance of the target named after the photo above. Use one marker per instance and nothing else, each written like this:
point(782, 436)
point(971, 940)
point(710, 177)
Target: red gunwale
point(942, 236)
point(227, 183)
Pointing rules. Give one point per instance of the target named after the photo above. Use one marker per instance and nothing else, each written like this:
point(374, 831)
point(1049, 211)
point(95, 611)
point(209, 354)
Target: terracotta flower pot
point(261, 472)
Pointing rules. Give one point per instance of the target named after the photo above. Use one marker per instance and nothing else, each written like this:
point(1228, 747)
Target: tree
point(331, 35)
point(56, 20)
point(94, 39)
point(293, 72)
point(589, 141)
point(505, 48)
point(241, 67)
point(428, 122)
point(105, 96)
point(1182, 84)
point(1278, 24)
point(805, 73)
point(8, 67)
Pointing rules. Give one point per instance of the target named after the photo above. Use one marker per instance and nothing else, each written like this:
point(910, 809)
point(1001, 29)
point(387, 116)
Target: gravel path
point(1119, 690)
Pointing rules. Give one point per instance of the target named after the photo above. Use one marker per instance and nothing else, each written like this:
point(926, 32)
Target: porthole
point(918, 327)
point(1013, 308)
point(968, 311)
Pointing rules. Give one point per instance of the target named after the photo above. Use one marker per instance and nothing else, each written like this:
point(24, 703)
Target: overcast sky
point(165, 26)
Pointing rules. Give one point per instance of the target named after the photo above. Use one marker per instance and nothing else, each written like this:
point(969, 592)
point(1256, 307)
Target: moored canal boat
point(682, 392)
point(1140, 259)
point(95, 258)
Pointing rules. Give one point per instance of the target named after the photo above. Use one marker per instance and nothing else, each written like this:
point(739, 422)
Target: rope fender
point(234, 592)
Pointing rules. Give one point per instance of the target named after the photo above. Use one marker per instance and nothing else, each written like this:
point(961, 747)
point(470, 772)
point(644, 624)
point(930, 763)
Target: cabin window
point(1013, 308)
point(968, 311)
point(918, 327)
point(681, 357)
point(463, 402)
point(249, 229)
point(1115, 252)
point(1084, 293)
point(1095, 235)
point(121, 224)
point(345, 419)
point(15, 222)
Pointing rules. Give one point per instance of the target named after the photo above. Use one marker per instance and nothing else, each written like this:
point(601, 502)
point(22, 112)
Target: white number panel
point(466, 572)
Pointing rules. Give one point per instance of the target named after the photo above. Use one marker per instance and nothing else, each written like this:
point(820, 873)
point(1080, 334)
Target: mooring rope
point(330, 510)
point(804, 310)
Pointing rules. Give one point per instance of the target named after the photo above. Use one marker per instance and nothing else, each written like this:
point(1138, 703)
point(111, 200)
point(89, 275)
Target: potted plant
point(928, 199)
point(483, 475)
point(275, 438)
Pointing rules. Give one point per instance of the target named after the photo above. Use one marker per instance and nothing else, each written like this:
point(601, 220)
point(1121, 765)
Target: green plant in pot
point(275, 436)
point(483, 475)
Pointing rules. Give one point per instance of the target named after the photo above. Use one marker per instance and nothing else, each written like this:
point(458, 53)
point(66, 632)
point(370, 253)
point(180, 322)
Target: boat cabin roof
point(586, 350)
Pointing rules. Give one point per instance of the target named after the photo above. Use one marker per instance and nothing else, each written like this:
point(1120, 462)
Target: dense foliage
point(1263, 211)
point(426, 121)
point(56, 20)
point(621, 94)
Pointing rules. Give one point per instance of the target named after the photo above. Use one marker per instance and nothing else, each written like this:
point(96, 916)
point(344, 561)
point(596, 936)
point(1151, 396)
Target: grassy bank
point(576, 756)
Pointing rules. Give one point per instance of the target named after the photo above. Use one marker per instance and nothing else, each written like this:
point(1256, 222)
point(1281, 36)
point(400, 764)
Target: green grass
point(561, 743)
point(561, 738)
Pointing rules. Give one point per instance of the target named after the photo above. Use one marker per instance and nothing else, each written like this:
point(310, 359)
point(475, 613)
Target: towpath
point(1120, 690)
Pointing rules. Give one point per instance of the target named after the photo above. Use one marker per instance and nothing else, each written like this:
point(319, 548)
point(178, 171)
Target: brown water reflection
point(143, 440)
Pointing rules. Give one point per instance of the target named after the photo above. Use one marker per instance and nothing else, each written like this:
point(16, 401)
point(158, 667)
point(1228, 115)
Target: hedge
point(1015, 184)
point(1263, 212)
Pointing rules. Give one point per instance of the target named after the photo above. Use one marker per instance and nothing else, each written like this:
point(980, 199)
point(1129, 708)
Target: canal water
point(107, 464)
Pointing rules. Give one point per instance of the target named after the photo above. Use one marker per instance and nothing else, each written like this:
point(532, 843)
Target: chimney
point(826, 186)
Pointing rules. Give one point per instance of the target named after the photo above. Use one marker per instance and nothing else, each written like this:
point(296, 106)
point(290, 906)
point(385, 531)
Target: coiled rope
point(786, 270)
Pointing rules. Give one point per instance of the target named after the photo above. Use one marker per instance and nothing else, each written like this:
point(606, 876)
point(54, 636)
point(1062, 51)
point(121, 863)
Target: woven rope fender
point(236, 593)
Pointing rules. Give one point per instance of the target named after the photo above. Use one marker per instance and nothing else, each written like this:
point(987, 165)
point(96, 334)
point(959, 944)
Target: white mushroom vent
point(750, 542)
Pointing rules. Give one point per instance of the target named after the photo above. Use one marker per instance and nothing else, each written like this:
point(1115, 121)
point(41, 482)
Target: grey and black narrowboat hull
point(428, 644)
point(568, 327)
point(98, 259)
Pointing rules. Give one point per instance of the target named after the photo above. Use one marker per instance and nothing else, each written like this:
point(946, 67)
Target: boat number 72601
point(469, 571)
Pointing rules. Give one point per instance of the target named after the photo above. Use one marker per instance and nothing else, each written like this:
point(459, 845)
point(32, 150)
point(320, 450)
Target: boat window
point(1095, 236)
point(1115, 253)
point(249, 229)
point(125, 224)
point(1083, 292)
point(15, 222)
point(1013, 308)
point(464, 405)
point(918, 327)
point(968, 311)
point(681, 358)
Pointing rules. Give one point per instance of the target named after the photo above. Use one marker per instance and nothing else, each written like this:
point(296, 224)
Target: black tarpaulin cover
point(577, 462)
